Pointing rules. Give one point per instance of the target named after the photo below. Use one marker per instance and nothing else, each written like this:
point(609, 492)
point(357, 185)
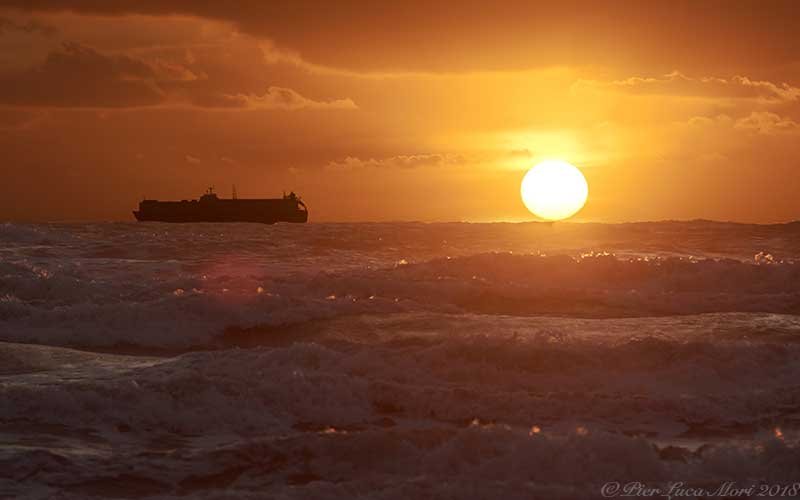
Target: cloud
point(374, 36)
point(277, 55)
point(192, 160)
point(678, 84)
point(167, 71)
point(274, 98)
point(79, 76)
point(759, 122)
point(352, 163)
point(30, 27)
point(699, 122)
point(765, 122)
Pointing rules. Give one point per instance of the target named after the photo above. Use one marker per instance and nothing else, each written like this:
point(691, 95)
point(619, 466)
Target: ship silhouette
point(210, 208)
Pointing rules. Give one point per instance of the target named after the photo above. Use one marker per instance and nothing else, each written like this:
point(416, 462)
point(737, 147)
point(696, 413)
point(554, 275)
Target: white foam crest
point(518, 375)
point(182, 286)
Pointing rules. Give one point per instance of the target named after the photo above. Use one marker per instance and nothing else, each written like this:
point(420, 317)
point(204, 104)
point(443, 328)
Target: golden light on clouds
point(367, 123)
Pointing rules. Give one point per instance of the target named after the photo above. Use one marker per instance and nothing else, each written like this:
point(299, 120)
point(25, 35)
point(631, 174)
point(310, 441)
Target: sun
point(554, 190)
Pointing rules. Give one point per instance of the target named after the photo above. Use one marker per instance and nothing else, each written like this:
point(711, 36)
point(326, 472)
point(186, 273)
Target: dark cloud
point(79, 76)
point(8, 25)
point(76, 76)
point(425, 35)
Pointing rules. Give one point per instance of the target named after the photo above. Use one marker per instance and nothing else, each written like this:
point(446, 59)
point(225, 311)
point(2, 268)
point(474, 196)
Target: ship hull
point(267, 211)
point(213, 218)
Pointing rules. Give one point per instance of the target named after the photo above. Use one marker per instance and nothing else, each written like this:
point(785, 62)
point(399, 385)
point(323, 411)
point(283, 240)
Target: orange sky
point(411, 111)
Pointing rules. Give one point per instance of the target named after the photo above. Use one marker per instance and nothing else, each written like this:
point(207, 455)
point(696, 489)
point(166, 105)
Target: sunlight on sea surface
point(395, 360)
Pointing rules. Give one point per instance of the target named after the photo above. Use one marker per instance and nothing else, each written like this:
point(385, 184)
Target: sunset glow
point(113, 101)
point(372, 250)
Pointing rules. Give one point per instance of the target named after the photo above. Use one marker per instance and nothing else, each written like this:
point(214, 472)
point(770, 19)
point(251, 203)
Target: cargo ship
point(210, 208)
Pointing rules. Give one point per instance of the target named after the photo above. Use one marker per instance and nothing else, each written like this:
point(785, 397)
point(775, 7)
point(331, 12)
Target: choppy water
point(396, 360)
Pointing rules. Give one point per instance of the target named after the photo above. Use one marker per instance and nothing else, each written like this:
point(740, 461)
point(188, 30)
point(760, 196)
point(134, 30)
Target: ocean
point(397, 360)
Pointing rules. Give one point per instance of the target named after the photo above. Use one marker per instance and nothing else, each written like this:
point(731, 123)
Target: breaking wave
point(396, 360)
point(170, 304)
point(533, 408)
